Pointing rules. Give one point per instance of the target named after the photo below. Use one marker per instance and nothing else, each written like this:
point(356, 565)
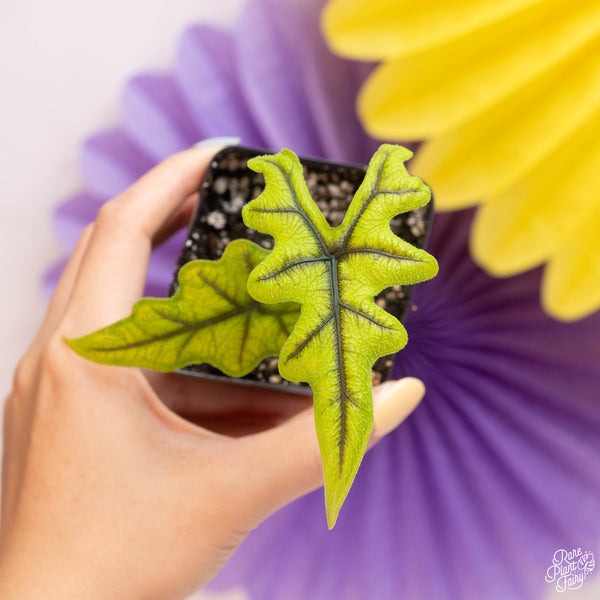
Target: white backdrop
point(63, 65)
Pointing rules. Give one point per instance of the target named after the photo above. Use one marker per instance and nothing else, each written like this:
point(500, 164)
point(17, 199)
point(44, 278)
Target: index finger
point(113, 270)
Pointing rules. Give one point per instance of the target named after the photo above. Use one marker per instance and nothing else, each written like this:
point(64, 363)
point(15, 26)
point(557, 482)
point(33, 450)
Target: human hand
point(108, 492)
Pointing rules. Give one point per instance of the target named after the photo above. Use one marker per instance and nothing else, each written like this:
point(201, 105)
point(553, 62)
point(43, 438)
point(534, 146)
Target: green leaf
point(211, 318)
point(334, 274)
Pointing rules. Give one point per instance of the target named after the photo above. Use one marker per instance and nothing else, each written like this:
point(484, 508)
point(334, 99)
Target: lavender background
point(498, 467)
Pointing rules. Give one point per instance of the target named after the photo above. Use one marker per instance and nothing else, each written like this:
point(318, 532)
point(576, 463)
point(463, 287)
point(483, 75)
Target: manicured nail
point(219, 141)
point(393, 402)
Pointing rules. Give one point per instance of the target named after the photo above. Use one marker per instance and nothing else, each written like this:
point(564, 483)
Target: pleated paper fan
point(495, 471)
point(225, 84)
point(497, 468)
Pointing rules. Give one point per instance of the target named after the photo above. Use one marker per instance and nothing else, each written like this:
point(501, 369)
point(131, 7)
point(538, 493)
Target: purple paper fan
point(497, 468)
point(495, 471)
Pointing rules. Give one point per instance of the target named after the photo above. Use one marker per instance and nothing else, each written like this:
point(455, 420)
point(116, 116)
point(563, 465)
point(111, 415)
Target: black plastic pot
point(229, 184)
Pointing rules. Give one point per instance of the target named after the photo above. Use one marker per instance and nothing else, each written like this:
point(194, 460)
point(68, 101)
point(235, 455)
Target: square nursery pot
point(229, 184)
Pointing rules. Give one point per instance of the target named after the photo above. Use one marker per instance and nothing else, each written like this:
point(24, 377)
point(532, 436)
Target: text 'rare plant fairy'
point(310, 300)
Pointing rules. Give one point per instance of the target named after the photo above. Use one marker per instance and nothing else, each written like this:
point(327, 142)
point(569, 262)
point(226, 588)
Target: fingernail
point(393, 402)
point(219, 141)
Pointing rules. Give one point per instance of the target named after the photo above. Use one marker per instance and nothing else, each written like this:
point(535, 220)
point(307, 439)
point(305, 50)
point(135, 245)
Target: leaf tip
point(73, 343)
point(83, 349)
point(338, 481)
point(285, 158)
point(255, 163)
point(334, 499)
point(401, 152)
point(433, 266)
point(332, 515)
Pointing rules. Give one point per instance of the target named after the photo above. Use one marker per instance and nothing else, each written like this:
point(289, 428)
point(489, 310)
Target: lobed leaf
point(334, 273)
point(211, 318)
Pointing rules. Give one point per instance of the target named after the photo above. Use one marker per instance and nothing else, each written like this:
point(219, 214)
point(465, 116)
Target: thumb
point(284, 463)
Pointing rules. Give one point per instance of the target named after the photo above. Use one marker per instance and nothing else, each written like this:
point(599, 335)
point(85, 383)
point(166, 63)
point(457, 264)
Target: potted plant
point(306, 296)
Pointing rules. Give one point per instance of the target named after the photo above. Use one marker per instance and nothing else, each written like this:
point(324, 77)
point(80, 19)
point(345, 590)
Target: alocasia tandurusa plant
point(310, 300)
point(334, 273)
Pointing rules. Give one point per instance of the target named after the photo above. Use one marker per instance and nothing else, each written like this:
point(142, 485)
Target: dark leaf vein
point(299, 347)
point(380, 253)
point(245, 335)
point(376, 191)
point(364, 315)
point(221, 292)
point(291, 265)
point(311, 226)
point(186, 327)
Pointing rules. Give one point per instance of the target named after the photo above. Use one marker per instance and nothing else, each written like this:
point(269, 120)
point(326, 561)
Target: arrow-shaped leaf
point(211, 318)
point(334, 274)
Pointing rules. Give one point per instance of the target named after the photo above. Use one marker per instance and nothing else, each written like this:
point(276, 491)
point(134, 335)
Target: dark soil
point(229, 184)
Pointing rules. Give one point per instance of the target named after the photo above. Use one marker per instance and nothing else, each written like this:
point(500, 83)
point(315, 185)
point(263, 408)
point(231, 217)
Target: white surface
point(63, 66)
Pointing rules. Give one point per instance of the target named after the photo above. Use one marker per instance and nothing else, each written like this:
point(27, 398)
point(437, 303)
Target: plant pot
point(229, 184)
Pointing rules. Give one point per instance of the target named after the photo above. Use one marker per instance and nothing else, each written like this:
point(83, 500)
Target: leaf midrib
point(187, 327)
point(339, 346)
point(375, 191)
point(315, 233)
point(333, 257)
